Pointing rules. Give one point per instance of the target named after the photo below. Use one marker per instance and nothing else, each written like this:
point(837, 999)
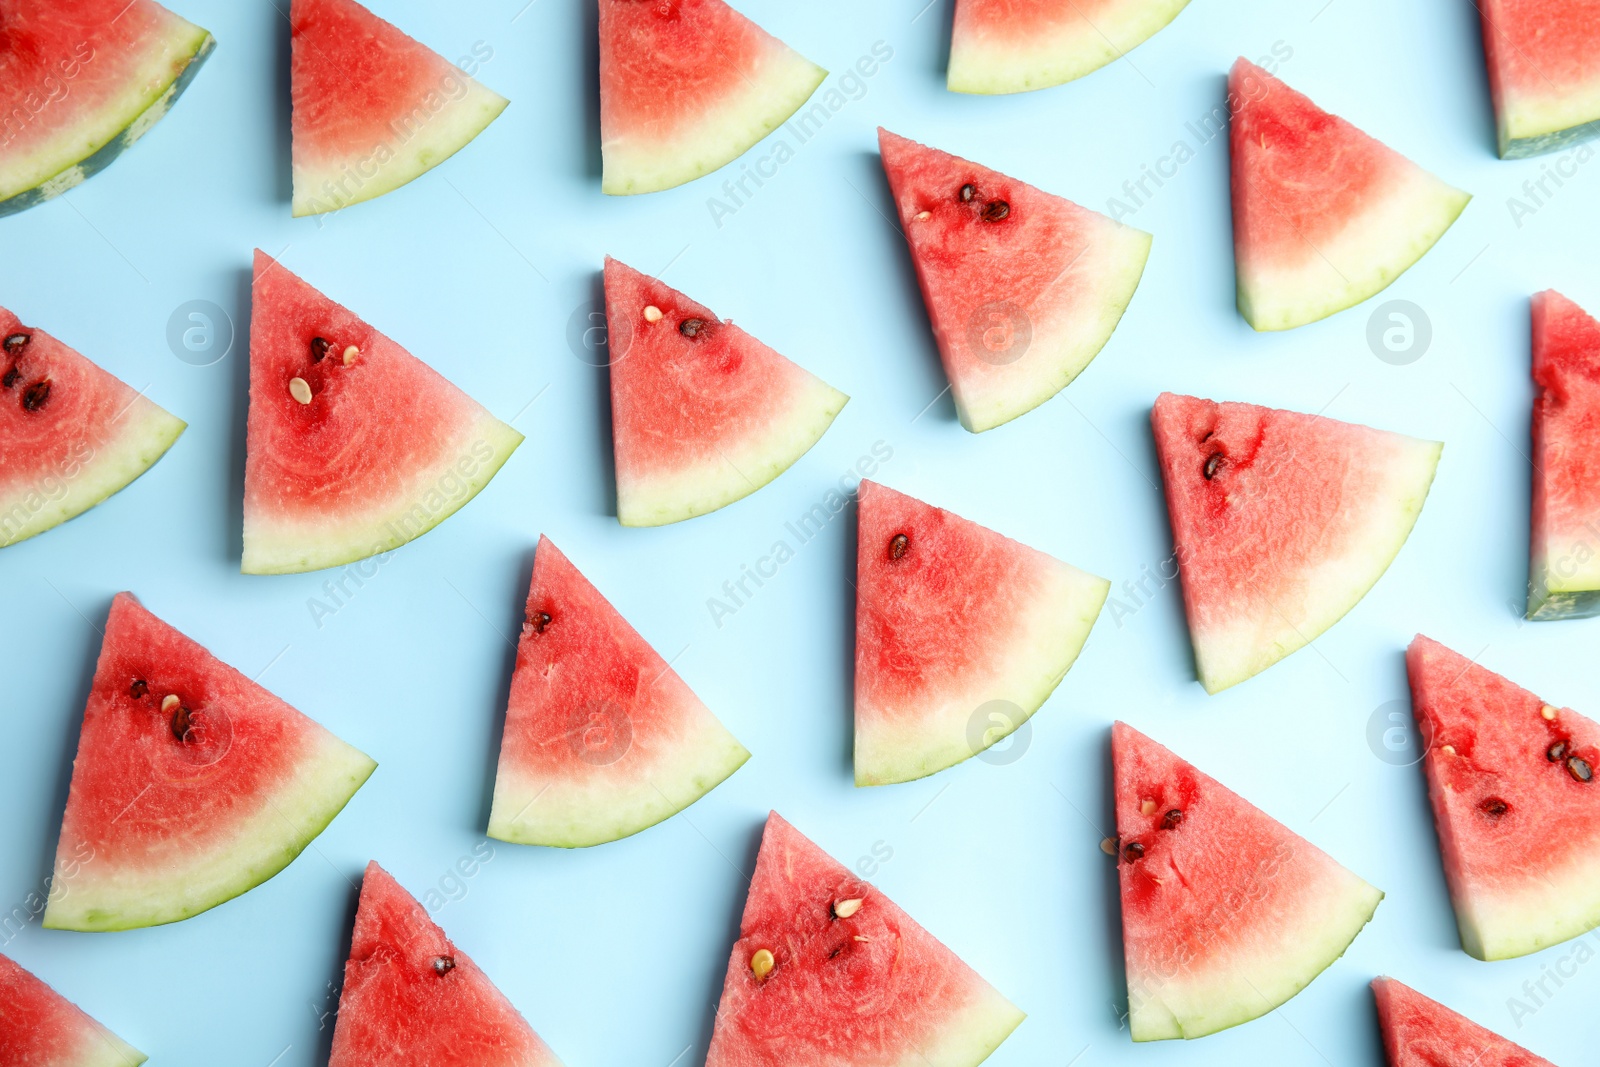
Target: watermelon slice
point(953, 622)
point(411, 998)
point(1226, 914)
point(1281, 522)
point(41, 1028)
point(828, 971)
point(702, 413)
point(1013, 46)
point(1023, 288)
point(1564, 565)
point(373, 109)
point(602, 738)
point(1544, 72)
point(79, 83)
point(1324, 216)
point(1515, 802)
point(1420, 1032)
point(354, 446)
point(71, 434)
point(686, 86)
point(192, 783)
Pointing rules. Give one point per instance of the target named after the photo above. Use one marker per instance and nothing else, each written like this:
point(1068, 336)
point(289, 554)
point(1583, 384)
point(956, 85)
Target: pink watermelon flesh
point(192, 784)
point(71, 434)
point(1226, 914)
point(80, 81)
point(686, 86)
point(1420, 1032)
point(1012, 46)
point(373, 109)
point(1281, 523)
point(1544, 72)
point(602, 737)
point(1564, 568)
point(1518, 811)
point(1324, 216)
point(1023, 288)
point(854, 981)
point(41, 1028)
point(961, 635)
point(412, 998)
point(385, 450)
point(702, 414)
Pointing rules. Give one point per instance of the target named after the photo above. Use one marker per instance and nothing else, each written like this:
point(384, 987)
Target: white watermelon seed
point(652, 313)
point(1147, 808)
point(1448, 750)
point(300, 390)
point(350, 355)
point(169, 702)
point(858, 937)
point(846, 908)
point(1109, 846)
point(1548, 712)
point(924, 216)
point(762, 963)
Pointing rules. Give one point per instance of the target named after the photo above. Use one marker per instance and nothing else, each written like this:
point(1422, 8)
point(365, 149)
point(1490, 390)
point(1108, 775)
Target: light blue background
point(616, 954)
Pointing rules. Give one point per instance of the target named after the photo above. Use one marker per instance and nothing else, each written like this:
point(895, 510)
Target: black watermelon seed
point(443, 965)
point(1557, 752)
point(10, 378)
point(182, 723)
point(1578, 767)
point(1493, 806)
point(1133, 852)
point(139, 688)
point(968, 191)
point(540, 620)
point(995, 210)
point(1213, 461)
point(319, 349)
point(16, 341)
point(1171, 819)
point(691, 327)
point(898, 546)
point(35, 396)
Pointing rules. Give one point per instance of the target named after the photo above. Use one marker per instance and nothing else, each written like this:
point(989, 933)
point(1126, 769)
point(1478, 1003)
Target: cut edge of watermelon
point(1551, 597)
point(89, 899)
point(293, 548)
point(973, 1035)
point(990, 66)
point(1530, 125)
point(106, 1049)
point(149, 432)
point(1566, 905)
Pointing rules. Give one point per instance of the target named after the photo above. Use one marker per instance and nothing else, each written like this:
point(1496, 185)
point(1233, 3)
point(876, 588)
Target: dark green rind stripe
point(1545, 143)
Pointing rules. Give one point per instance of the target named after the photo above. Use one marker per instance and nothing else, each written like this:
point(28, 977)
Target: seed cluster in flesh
point(34, 394)
point(320, 348)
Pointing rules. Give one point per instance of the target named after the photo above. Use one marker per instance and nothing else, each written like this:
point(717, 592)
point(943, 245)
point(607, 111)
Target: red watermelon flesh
point(1012, 46)
point(375, 450)
point(961, 635)
point(41, 1028)
point(1564, 568)
point(80, 81)
point(1023, 287)
point(1515, 803)
point(686, 86)
point(702, 414)
point(1226, 914)
point(1421, 1032)
point(1324, 215)
point(853, 980)
point(192, 783)
point(602, 737)
point(412, 999)
point(71, 434)
point(1281, 523)
point(373, 109)
point(1544, 72)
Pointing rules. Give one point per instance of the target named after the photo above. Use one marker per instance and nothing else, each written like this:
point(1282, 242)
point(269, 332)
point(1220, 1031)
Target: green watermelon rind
point(1537, 127)
point(150, 433)
point(980, 69)
point(127, 118)
point(972, 1036)
point(272, 838)
point(1562, 906)
point(108, 1050)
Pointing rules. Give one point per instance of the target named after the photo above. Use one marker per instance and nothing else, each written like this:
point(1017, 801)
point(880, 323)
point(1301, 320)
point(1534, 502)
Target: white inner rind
point(1411, 213)
point(1533, 911)
point(971, 1035)
point(1530, 124)
point(99, 1047)
point(1569, 563)
point(1255, 639)
point(901, 744)
point(983, 62)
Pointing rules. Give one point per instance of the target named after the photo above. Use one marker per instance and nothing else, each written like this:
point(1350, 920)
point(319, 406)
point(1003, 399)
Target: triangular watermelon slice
point(354, 445)
point(686, 86)
point(1544, 73)
point(1023, 288)
point(373, 109)
point(1226, 913)
point(1420, 1032)
point(82, 81)
point(961, 635)
point(1515, 802)
point(1564, 563)
point(71, 434)
point(1281, 522)
point(192, 783)
point(702, 413)
point(1324, 216)
point(602, 738)
point(827, 970)
point(1013, 46)
point(41, 1028)
point(411, 998)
